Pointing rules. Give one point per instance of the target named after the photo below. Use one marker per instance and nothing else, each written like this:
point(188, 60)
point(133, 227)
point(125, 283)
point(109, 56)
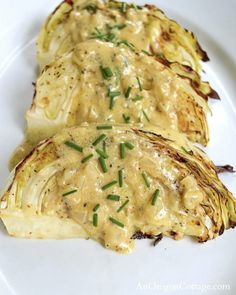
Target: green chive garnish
point(145, 178)
point(97, 34)
point(106, 72)
point(123, 7)
point(112, 103)
point(99, 139)
point(127, 92)
point(126, 118)
point(146, 116)
point(95, 219)
point(113, 93)
point(113, 220)
point(120, 177)
point(122, 150)
point(134, 6)
point(137, 97)
point(119, 26)
point(108, 185)
point(69, 193)
point(110, 37)
point(115, 198)
point(122, 206)
point(185, 150)
point(84, 160)
point(92, 8)
point(139, 84)
point(146, 52)
point(104, 146)
point(155, 196)
point(104, 127)
point(127, 43)
point(129, 145)
point(74, 146)
point(103, 164)
point(96, 208)
point(102, 154)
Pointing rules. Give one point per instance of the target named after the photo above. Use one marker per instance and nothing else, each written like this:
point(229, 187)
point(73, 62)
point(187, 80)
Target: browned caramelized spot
point(166, 36)
point(213, 94)
point(221, 231)
point(201, 52)
point(140, 236)
point(225, 168)
point(70, 2)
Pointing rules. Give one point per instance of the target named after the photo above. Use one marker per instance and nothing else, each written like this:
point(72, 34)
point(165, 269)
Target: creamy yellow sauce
point(147, 28)
point(177, 208)
point(73, 90)
point(165, 98)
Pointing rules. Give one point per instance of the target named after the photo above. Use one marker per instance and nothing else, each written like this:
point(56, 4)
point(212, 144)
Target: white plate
point(84, 267)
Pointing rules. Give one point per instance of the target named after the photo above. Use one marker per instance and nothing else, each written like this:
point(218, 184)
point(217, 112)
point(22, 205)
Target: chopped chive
point(96, 208)
point(145, 178)
point(97, 34)
point(84, 160)
point(146, 116)
point(104, 127)
point(106, 72)
point(117, 222)
point(154, 196)
point(115, 198)
point(110, 37)
point(102, 36)
point(120, 26)
point(103, 164)
point(126, 118)
point(139, 84)
point(108, 185)
point(137, 97)
point(185, 150)
point(104, 146)
point(122, 206)
point(99, 139)
point(113, 93)
point(92, 8)
point(69, 193)
point(127, 43)
point(112, 103)
point(127, 92)
point(146, 52)
point(102, 154)
point(122, 150)
point(134, 6)
point(123, 7)
point(74, 146)
point(120, 177)
point(129, 145)
point(95, 219)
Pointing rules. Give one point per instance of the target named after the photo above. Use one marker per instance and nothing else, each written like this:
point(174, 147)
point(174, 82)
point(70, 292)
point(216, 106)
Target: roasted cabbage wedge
point(113, 184)
point(100, 82)
point(145, 27)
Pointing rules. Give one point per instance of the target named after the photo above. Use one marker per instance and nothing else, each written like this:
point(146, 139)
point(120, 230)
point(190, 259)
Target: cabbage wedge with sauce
point(116, 183)
point(101, 82)
point(144, 27)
